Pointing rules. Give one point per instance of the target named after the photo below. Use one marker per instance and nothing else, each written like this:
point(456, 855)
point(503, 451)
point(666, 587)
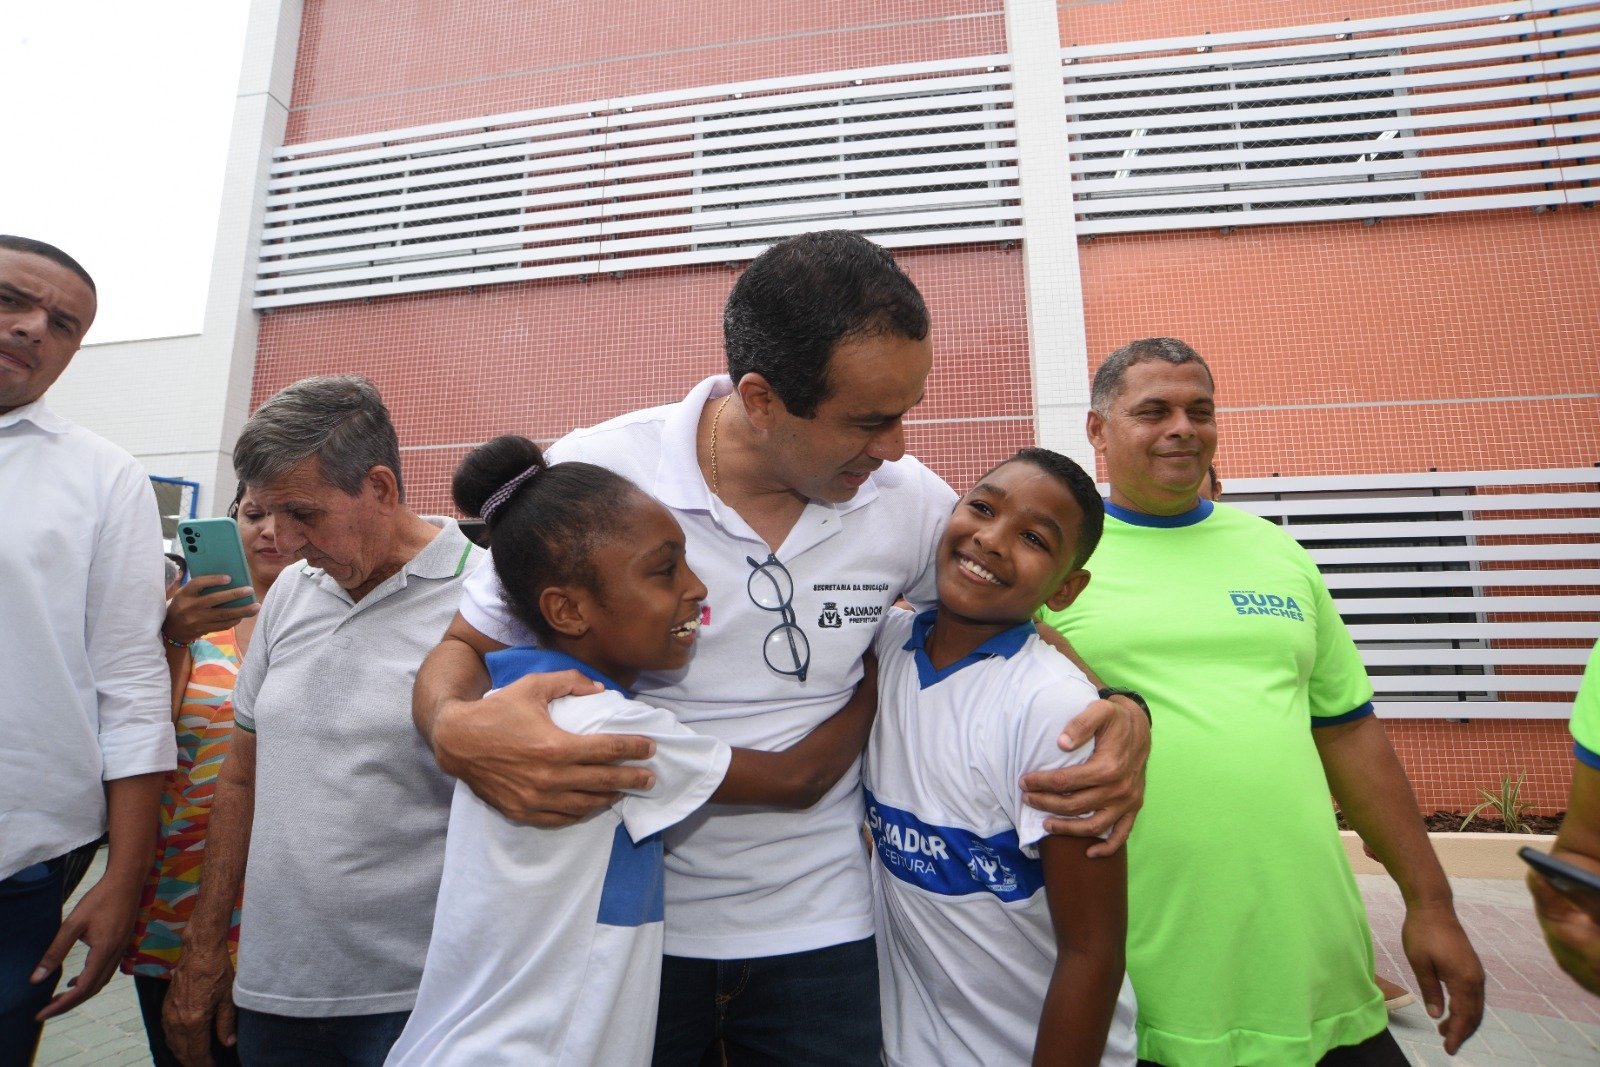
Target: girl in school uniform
point(547, 943)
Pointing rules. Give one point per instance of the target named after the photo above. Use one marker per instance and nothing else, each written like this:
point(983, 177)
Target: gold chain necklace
point(715, 419)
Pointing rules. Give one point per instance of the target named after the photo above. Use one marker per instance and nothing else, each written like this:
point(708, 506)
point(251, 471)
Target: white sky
point(116, 134)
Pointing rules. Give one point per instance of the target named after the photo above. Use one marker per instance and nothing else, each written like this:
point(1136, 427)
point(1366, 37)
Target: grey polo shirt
point(348, 842)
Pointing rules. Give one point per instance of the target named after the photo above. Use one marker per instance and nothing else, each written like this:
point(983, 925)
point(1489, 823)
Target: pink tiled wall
point(367, 65)
point(1101, 21)
point(1461, 342)
point(541, 358)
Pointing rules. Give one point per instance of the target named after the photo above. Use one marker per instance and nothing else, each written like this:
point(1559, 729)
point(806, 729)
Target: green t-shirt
point(1247, 939)
point(1586, 714)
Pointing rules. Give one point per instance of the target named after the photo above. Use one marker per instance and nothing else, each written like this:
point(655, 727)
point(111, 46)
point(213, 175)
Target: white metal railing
point(1465, 109)
point(912, 154)
point(1471, 594)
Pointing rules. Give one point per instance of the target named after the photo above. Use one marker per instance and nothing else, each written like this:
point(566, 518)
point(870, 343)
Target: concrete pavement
point(1537, 1016)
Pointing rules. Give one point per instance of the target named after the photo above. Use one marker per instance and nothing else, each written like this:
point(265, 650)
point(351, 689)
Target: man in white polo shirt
point(806, 520)
point(84, 697)
point(327, 789)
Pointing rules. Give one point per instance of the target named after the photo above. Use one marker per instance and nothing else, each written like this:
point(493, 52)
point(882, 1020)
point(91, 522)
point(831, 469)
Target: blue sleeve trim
point(633, 893)
point(1586, 756)
point(1317, 722)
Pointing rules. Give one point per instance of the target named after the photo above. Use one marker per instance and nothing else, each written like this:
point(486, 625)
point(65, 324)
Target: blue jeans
point(808, 1009)
point(30, 915)
point(338, 1041)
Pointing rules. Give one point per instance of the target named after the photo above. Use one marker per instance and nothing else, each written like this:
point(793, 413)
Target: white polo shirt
point(749, 881)
point(546, 947)
point(350, 808)
point(966, 946)
point(84, 692)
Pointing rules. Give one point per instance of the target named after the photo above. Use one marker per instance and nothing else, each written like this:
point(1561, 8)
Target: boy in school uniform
point(997, 943)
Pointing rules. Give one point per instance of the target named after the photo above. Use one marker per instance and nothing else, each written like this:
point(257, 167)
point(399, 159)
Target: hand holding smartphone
point(213, 546)
point(1577, 884)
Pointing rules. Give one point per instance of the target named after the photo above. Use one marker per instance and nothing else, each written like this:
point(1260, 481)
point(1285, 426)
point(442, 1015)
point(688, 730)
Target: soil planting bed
point(1449, 822)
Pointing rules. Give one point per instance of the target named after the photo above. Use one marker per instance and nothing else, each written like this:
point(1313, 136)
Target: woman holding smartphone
point(205, 643)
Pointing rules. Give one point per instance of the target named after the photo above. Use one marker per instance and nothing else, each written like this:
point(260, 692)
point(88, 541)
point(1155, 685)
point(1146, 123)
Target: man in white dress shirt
point(84, 694)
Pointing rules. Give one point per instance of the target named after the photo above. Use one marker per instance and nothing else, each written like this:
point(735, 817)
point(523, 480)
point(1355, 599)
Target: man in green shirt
point(1247, 939)
point(1570, 924)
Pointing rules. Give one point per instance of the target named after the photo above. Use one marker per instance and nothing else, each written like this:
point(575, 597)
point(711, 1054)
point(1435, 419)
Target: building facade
point(1374, 218)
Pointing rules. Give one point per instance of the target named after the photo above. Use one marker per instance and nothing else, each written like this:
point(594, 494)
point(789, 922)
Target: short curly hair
point(800, 298)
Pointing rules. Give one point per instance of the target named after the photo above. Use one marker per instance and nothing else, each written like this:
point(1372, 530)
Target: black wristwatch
point(1111, 691)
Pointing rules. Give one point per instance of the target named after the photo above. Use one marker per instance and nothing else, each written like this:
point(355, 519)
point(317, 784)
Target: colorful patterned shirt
point(205, 727)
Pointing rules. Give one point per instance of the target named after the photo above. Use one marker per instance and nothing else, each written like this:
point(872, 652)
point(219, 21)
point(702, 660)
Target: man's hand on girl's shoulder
point(509, 752)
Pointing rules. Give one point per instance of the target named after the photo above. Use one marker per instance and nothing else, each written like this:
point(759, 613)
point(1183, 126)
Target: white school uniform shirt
point(546, 945)
point(750, 881)
point(84, 692)
point(966, 946)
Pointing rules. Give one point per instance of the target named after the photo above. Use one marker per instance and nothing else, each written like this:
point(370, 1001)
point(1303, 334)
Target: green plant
point(1505, 802)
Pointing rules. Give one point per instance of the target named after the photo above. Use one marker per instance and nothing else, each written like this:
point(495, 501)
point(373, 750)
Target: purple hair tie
point(498, 498)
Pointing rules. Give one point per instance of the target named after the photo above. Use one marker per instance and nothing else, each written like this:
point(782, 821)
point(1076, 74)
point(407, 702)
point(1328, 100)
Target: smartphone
point(212, 546)
point(1581, 886)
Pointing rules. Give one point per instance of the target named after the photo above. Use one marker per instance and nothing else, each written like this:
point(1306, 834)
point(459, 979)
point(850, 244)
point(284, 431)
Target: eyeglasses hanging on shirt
point(786, 648)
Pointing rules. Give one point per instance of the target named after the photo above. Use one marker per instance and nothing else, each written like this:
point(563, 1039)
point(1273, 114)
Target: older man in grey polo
point(328, 787)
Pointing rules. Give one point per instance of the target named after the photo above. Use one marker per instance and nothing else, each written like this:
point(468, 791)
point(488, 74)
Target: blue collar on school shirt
point(509, 664)
point(1005, 645)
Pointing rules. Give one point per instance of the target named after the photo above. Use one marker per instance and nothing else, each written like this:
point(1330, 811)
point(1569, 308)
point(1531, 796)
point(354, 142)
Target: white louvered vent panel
point(1464, 109)
point(910, 155)
point(1475, 108)
point(1471, 595)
